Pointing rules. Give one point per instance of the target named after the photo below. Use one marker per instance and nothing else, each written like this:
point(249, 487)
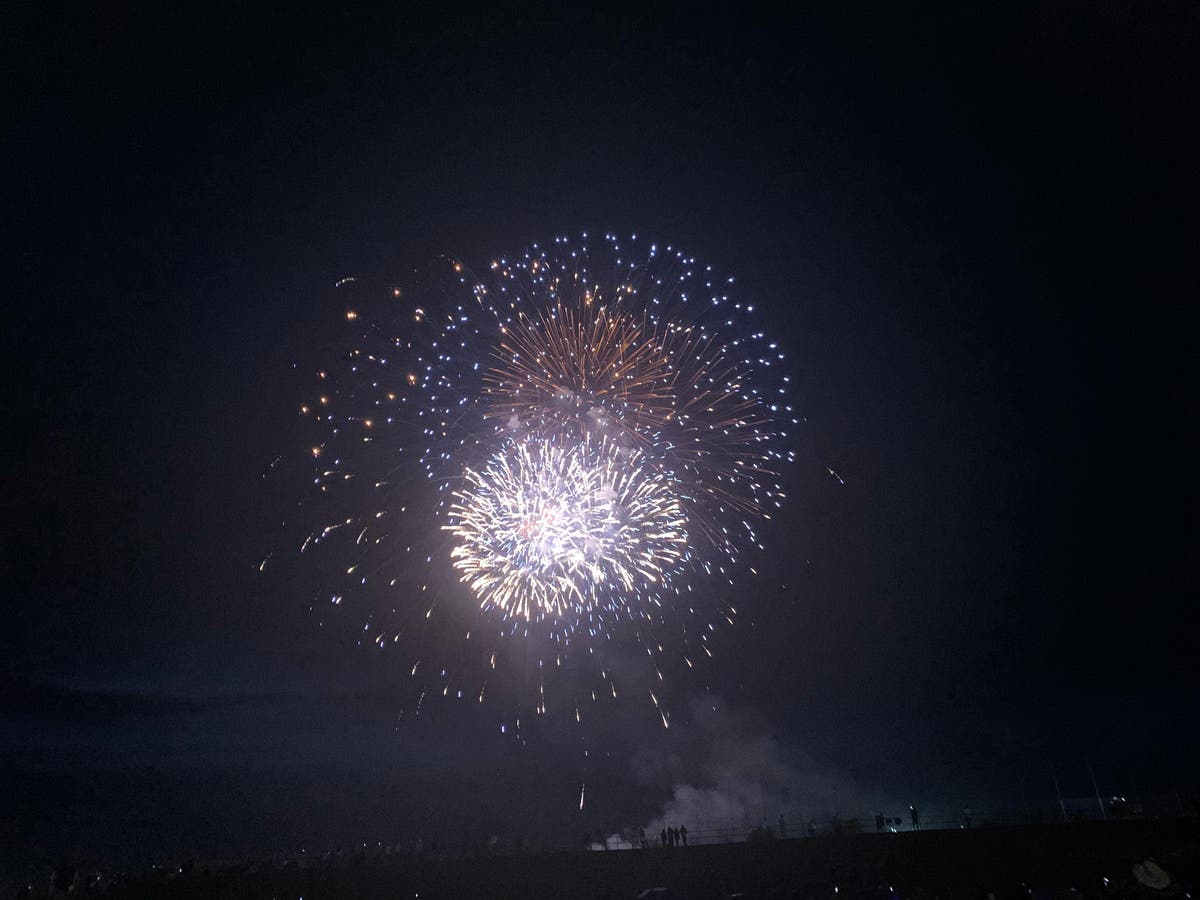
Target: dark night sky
point(975, 233)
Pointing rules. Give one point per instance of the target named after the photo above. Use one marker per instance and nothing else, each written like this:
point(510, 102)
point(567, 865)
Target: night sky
point(973, 232)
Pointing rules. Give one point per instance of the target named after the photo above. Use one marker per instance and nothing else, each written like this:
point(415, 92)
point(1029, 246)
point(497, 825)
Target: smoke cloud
point(729, 775)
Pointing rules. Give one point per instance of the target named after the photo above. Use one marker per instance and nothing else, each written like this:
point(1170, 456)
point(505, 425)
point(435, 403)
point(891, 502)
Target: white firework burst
point(548, 530)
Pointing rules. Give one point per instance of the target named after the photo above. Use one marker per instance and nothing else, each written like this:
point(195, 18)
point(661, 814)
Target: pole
point(729, 798)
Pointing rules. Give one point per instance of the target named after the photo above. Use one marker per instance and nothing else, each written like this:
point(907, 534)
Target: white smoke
point(729, 775)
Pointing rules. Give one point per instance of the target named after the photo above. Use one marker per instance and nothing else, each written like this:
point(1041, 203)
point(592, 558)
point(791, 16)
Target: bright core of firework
point(545, 529)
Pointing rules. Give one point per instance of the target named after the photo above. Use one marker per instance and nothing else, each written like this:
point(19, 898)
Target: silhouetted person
point(782, 827)
point(683, 834)
point(664, 837)
point(878, 822)
point(812, 827)
point(916, 817)
point(587, 840)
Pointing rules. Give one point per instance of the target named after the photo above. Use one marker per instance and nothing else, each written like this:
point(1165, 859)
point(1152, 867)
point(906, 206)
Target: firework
point(559, 531)
point(599, 425)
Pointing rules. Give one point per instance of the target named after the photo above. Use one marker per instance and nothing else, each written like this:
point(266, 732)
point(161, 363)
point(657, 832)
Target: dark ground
point(1037, 861)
